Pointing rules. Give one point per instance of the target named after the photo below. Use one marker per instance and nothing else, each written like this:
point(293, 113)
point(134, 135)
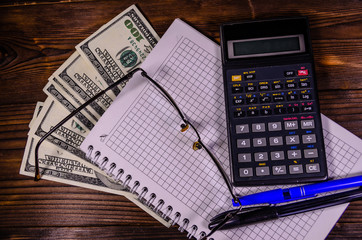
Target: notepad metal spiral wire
point(131, 185)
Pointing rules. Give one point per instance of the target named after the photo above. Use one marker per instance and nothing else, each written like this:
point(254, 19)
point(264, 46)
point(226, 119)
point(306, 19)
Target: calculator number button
point(262, 171)
point(279, 170)
point(261, 156)
point(276, 141)
point(244, 128)
point(309, 138)
point(291, 125)
point(243, 143)
point(310, 153)
point(275, 126)
point(258, 127)
point(245, 172)
point(277, 155)
point(244, 157)
point(312, 168)
point(293, 139)
point(259, 142)
point(295, 169)
point(294, 154)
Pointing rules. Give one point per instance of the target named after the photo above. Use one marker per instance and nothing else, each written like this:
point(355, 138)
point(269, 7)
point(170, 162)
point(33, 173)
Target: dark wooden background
point(36, 37)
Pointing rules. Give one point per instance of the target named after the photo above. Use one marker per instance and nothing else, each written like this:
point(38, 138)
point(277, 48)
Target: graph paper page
point(139, 137)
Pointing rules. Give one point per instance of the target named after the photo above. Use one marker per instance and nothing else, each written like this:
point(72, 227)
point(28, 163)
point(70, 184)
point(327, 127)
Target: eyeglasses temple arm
point(72, 114)
point(221, 170)
point(167, 95)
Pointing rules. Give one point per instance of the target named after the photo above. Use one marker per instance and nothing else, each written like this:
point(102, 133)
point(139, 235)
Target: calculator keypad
point(275, 133)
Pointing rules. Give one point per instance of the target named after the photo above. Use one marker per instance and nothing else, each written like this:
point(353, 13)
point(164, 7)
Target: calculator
point(274, 126)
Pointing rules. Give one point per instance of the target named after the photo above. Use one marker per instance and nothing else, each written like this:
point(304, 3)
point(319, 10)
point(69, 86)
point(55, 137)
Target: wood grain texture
point(36, 37)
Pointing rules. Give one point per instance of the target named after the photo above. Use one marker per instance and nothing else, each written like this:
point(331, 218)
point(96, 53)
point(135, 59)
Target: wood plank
point(31, 54)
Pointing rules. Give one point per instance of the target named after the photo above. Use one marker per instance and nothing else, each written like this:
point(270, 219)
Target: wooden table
point(37, 36)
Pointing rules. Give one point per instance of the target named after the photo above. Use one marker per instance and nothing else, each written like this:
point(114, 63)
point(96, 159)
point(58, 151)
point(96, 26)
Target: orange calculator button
point(236, 78)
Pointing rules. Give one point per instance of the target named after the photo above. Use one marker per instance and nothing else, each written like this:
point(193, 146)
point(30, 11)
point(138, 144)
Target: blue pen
point(295, 193)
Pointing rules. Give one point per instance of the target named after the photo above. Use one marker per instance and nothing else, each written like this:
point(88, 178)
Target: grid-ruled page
point(184, 173)
point(141, 134)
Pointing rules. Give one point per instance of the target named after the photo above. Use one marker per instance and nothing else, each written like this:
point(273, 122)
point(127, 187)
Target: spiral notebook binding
point(135, 186)
point(166, 212)
point(176, 218)
point(184, 225)
point(202, 234)
point(119, 174)
point(192, 231)
point(127, 181)
point(96, 157)
point(159, 206)
point(111, 169)
point(151, 199)
point(143, 193)
point(104, 163)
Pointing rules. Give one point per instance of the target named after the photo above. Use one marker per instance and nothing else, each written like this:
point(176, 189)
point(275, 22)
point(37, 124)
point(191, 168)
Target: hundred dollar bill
point(82, 82)
point(68, 137)
point(38, 107)
point(60, 166)
point(68, 102)
point(119, 46)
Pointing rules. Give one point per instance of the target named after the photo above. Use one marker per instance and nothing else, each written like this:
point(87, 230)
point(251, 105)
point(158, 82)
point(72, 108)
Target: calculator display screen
point(261, 47)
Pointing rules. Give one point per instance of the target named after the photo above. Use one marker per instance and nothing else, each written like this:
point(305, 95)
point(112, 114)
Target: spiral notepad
point(139, 143)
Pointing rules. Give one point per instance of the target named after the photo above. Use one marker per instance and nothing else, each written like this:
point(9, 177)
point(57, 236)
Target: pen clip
point(222, 215)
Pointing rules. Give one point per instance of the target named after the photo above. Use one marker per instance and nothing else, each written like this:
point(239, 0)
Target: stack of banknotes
point(104, 57)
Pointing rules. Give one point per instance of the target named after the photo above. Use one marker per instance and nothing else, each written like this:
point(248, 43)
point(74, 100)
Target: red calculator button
point(303, 72)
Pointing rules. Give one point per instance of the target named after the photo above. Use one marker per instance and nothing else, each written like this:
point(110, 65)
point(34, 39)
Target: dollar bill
point(57, 92)
point(119, 46)
point(60, 166)
point(76, 78)
point(38, 108)
point(107, 55)
point(68, 137)
point(53, 157)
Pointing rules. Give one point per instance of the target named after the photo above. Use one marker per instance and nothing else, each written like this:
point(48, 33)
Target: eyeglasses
point(184, 127)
